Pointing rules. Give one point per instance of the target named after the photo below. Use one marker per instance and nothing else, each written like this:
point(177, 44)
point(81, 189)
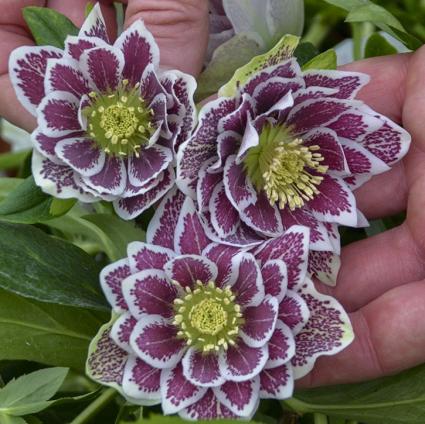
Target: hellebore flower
point(207, 329)
point(288, 148)
point(109, 122)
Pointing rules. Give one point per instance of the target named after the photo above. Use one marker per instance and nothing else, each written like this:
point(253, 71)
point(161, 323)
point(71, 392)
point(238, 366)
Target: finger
point(375, 265)
point(386, 91)
point(385, 194)
point(389, 338)
point(75, 11)
point(180, 28)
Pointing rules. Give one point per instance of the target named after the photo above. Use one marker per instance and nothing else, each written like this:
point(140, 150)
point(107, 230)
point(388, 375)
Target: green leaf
point(325, 60)
point(305, 52)
point(41, 267)
point(7, 185)
point(27, 204)
point(99, 232)
point(377, 45)
point(398, 399)
point(48, 27)
point(46, 333)
point(228, 57)
point(283, 50)
point(28, 394)
point(11, 160)
point(9, 419)
point(60, 207)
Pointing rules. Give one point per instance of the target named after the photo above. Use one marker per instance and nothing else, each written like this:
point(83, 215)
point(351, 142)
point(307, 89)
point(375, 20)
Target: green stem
point(95, 407)
point(318, 31)
point(320, 419)
point(360, 31)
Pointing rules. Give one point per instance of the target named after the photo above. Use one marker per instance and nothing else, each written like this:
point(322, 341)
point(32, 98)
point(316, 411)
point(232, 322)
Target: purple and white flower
point(288, 148)
point(109, 121)
point(206, 329)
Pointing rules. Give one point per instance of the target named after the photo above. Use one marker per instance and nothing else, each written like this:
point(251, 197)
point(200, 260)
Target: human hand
point(382, 278)
point(180, 28)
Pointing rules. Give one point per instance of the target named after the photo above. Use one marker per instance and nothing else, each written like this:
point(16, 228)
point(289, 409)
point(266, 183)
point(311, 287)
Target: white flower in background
point(18, 138)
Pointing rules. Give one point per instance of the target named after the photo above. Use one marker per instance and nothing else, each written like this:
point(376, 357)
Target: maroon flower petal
point(111, 179)
point(275, 278)
point(27, 69)
point(241, 398)
point(82, 155)
point(122, 329)
point(141, 381)
point(163, 224)
point(139, 49)
point(151, 162)
point(335, 202)
point(246, 280)
point(293, 311)
point(149, 292)
point(224, 217)
point(208, 408)
point(111, 278)
point(259, 322)
point(348, 84)
point(292, 248)
point(94, 25)
point(206, 184)
point(281, 345)
point(142, 256)
point(177, 392)
point(241, 362)
point(227, 144)
point(155, 341)
point(189, 235)
point(132, 207)
point(57, 114)
point(202, 369)
point(64, 75)
point(76, 45)
point(277, 383)
point(187, 269)
point(236, 121)
point(103, 67)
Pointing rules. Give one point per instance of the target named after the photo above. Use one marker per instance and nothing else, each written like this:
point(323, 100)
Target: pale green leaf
point(325, 60)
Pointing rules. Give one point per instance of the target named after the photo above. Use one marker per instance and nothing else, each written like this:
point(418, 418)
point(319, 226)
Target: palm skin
point(381, 282)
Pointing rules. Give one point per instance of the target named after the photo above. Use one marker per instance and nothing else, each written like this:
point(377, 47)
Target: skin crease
point(382, 279)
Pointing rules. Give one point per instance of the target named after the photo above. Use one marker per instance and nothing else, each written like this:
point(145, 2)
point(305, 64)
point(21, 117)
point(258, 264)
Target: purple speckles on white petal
point(177, 392)
point(293, 311)
point(187, 269)
point(111, 278)
point(139, 49)
point(149, 292)
point(324, 266)
point(259, 322)
point(277, 383)
point(241, 362)
point(275, 278)
point(27, 69)
point(155, 341)
point(81, 154)
point(202, 369)
point(241, 398)
point(141, 381)
point(103, 66)
point(327, 332)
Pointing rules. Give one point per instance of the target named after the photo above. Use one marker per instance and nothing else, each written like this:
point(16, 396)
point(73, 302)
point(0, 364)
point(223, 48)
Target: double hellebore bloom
point(289, 147)
point(109, 122)
point(208, 330)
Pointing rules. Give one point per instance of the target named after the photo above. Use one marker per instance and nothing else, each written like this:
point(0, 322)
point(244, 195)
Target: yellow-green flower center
point(284, 167)
point(207, 317)
point(119, 122)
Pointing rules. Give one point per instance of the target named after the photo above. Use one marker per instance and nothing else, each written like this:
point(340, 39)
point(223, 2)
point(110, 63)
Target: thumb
point(180, 28)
